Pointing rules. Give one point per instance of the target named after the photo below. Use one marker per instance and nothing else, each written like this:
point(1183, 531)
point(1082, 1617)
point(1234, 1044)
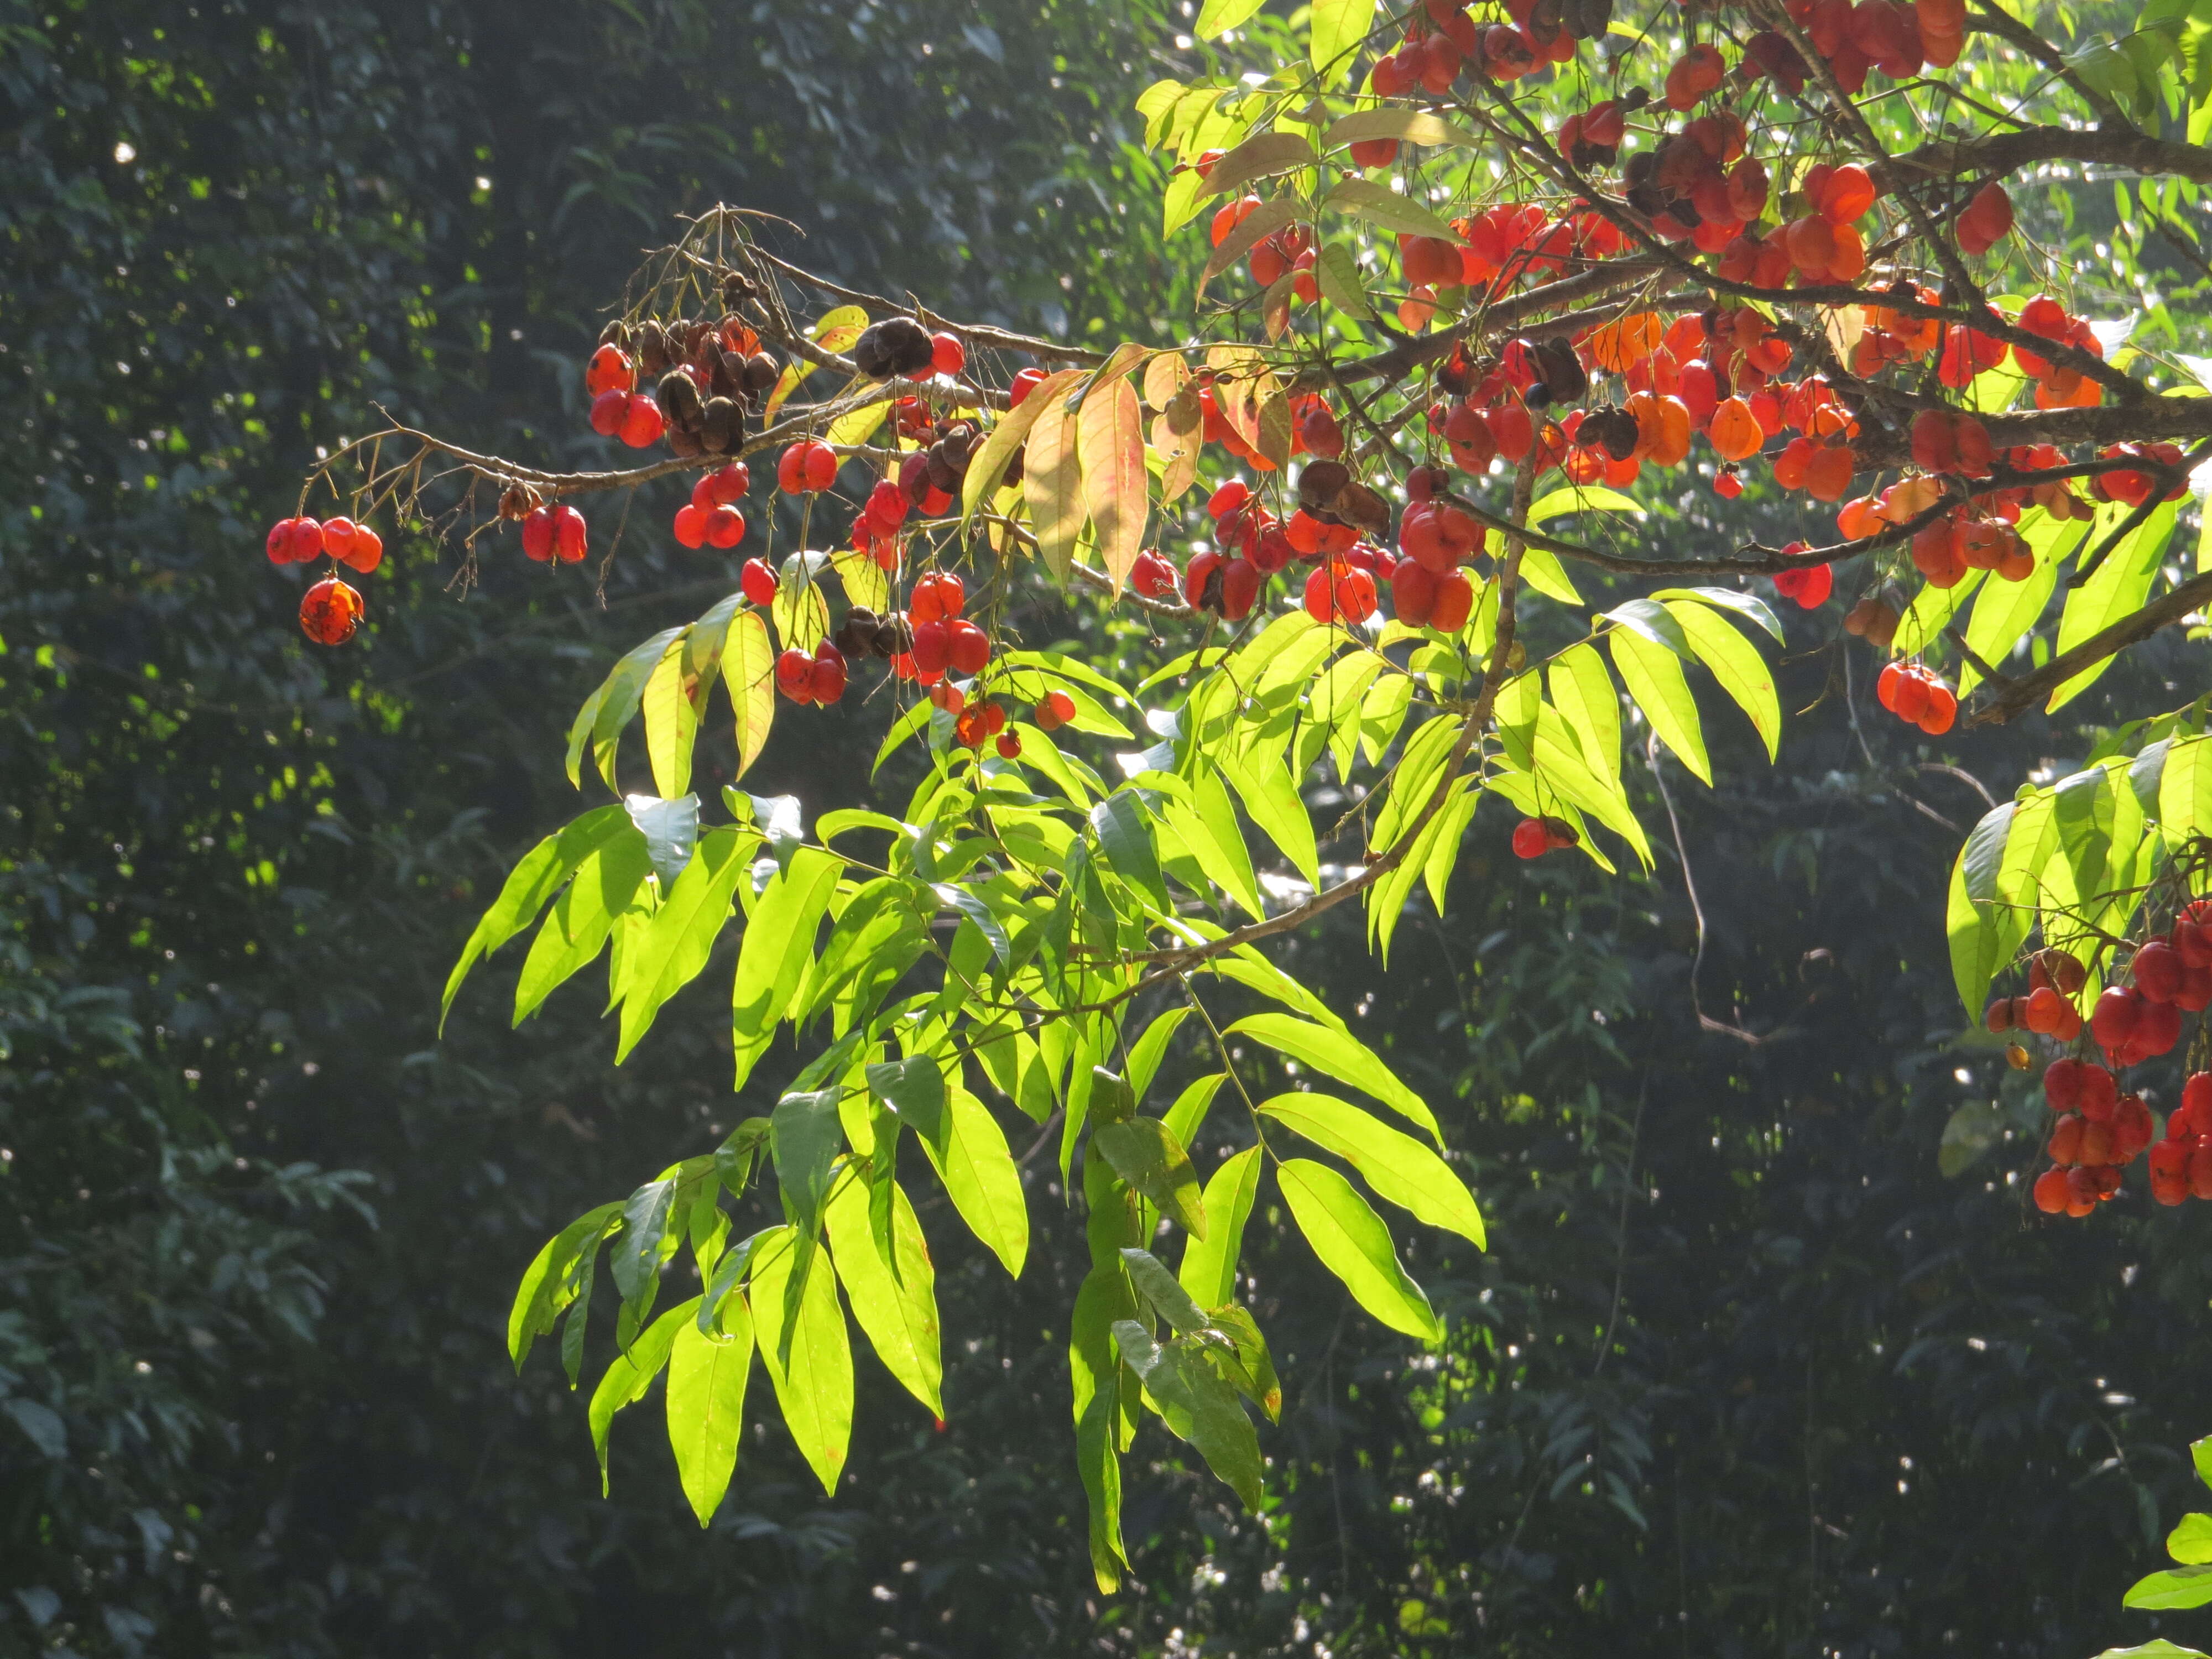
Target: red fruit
point(2064, 1145)
point(730, 484)
point(1240, 589)
point(2200, 1168)
point(1010, 744)
point(1942, 709)
point(1320, 596)
point(2157, 967)
point(2113, 1020)
point(1530, 839)
point(932, 647)
point(948, 697)
point(337, 538)
point(1910, 700)
point(821, 466)
point(1374, 152)
point(1355, 595)
point(1055, 711)
point(2158, 1028)
point(2100, 1094)
point(759, 582)
point(690, 526)
point(2052, 1193)
point(939, 596)
point(2132, 1128)
point(1227, 499)
point(887, 504)
point(2169, 1172)
point(367, 549)
point(279, 544)
point(610, 370)
point(947, 356)
point(828, 683)
point(1455, 602)
point(642, 423)
point(1986, 221)
point(330, 611)
point(794, 675)
point(610, 410)
point(2062, 1082)
point(1152, 575)
point(994, 718)
point(1998, 1018)
point(1196, 576)
point(1023, 384)
point(1321, 433)
point(726, 527)
point(569, 535)
point(968, 647)
point(1413, 593)
point(538, 535)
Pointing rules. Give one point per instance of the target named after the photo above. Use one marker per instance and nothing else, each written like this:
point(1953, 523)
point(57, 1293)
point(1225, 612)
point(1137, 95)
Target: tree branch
point(2132, 629)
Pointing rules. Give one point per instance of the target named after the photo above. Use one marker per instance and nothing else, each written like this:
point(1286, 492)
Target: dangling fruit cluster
point(2099, 1132)
point(1533, 837)
point(707, 378)
point(711, 518)
point(2181, 1162)
point(331, 609)
point(1918, 696)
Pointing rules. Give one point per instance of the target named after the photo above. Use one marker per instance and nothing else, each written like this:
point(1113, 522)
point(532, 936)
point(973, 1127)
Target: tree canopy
point(1207, 763)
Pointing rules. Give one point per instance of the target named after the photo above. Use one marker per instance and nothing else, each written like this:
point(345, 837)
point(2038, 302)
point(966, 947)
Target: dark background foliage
point(1741, 1373)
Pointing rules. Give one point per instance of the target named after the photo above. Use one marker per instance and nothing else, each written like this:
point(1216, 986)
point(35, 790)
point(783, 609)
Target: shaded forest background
point(1743, 1372)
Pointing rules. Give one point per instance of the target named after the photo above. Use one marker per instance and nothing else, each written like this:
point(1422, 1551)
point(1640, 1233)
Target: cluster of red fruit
point(554, 532)
point(1916, 696)
point(2098, 1132)
point(2181, 1163)
point(330, 610)
point(1899, 40)
point(707, 377)
point(1533, 837)
point(710, 517)
point(815, 677)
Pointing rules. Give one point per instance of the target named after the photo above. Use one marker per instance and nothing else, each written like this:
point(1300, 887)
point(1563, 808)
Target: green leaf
point(1738, 667)
point(1653, 675)
point(1397, 1166)
point(1096, 1371)
point(1125, 838)
point(1583, 498)
point(682, 933)
point(810, 1361)
point(611, 707)
point(605, 885)
point(800, 610)
point(1380, 205)
point(671, 720)
point(2005, 611)
point(1209, 1259)
point(2190, 1543)
point(2176, 1587)
point(1976, 935)
point(1649, 620)
point(805, 1138)
point(1144, 1154)
point(1271, 796)
point(1209, 831)
point(988, 465)
point(670, 828)
point(2116, 588)
point(1342, 1056)
point(540, 875)
point(893, 1296)
point(1261, 156)
point(1217, 17)
point(1336, 269)
point(1747, 605)
point(914, 1089)
point(1420, 769)
point(1145, 1053)
point(777, 949)
point(2185, 790)
point(1968, 1133)
point(1581, 690)
point(627, 1378)
point(1158, 1287)
point(1252, 1370)
point(1931, 612)
point(748, 676)
point(1409, 126)
point(547, 1285)
point(1199, 1405)
point(707, 1377)
point(2157, 1648)
point(1339, 26)
point(2200, 1456)
point(1189, 1110)
point(1352, 1243)
point(980, 1176)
